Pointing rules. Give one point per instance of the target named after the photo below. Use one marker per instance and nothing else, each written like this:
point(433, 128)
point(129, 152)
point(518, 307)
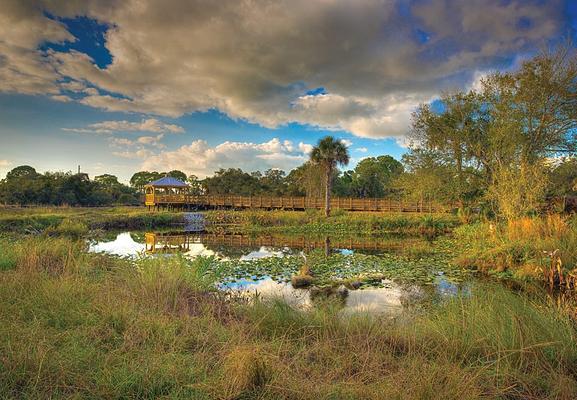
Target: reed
point(542, 247)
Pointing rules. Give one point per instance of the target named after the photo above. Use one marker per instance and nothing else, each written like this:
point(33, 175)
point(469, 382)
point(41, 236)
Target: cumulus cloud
point(135, 155)
point(258, 60)
point(202, 160)
point(361, 149)
point(146, 125)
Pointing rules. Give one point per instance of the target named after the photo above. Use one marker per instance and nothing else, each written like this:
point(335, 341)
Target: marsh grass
point(72, 221)
point(541, 247)
point(77, 325)
point(342, 222)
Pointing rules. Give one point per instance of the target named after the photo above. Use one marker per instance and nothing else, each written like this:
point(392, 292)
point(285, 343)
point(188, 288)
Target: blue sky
point(191, 85)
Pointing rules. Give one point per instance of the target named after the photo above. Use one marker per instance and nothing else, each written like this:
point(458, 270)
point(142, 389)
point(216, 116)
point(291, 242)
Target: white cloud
point(61, 98)
point(347, 142)
point(5, 163)
point(146, 125)
point(121, 142)
point(151, 140)
point(137, 154)
point(257, 60)
point(305, 148)
point(361, 149)
point(201, 159)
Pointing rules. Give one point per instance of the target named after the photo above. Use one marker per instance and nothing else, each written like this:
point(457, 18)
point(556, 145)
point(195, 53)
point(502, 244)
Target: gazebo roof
point(168, 181)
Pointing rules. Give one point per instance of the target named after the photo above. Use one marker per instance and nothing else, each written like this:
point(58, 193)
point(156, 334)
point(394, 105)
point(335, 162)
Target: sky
point(197, 85)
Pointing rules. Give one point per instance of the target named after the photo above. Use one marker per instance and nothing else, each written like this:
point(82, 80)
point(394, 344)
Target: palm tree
point(329, 153)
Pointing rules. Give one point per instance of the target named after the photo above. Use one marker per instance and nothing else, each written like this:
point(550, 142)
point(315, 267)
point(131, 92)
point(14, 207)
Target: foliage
point(235, 181)
point(328, 154)
point(141, 178)
point(519, 191)
point(372, 177)
point(563, 178)
point(24, 186)
point(527, 247)
point(475, 144)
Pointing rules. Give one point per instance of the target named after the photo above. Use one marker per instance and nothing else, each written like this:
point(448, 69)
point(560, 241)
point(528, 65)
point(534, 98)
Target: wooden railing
point(291, 203)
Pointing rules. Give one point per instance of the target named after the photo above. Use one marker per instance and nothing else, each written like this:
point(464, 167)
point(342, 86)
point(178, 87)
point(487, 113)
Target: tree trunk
point(328, 192)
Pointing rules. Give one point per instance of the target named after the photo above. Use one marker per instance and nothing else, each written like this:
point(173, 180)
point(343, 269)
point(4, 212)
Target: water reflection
point(245, 247)
point(124, 245)
point(249, 247)
point(389, 299)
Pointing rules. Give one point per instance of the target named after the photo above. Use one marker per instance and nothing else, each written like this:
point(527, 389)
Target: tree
point(181, 176)
point(328, 154)
point(107, 181)
point(501, 135)
point(22, 185)
point(195, 184)
point(273, 182)
point(142, 178)
point(232, 181)
point(372, 177)
point(23, 171)
point(306, 180)
point(563, 177)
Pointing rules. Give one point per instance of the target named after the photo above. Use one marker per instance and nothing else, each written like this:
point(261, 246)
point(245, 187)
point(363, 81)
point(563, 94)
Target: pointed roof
point(168, 181)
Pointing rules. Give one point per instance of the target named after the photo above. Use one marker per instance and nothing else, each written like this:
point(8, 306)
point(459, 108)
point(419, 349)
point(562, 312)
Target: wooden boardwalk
point(288, 203)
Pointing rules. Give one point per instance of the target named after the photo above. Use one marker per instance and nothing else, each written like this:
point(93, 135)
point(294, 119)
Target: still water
point(387, 296)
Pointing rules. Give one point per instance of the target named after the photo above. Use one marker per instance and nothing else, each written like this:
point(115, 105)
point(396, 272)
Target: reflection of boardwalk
point(288, 203)
point(174, 242)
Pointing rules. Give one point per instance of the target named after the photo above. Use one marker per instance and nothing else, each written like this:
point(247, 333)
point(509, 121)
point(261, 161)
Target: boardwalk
point(154, 200)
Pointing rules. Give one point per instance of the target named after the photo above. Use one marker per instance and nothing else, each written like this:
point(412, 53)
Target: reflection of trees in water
point(237, 245)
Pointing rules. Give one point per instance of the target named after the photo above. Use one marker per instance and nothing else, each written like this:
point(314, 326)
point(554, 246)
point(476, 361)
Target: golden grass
point(76, 325)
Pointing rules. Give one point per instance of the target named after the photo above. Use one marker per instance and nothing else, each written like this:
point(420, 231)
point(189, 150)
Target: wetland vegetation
point(181, 323)
point(475, 303)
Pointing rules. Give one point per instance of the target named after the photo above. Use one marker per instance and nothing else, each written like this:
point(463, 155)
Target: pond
point(383, 275)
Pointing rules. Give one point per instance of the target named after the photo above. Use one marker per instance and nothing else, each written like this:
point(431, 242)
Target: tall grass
point(313, 221)
point(539, 246)
point(104, 328)
point(76, 221)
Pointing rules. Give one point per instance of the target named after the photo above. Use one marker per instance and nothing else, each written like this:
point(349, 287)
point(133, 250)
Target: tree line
point(507, 148)
point(372, 177)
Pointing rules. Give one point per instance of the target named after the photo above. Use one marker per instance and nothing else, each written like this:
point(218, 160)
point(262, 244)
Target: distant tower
point(79, 169)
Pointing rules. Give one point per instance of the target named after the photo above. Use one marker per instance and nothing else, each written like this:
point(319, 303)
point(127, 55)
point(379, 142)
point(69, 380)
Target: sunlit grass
point(77, 325)
point(536, 247)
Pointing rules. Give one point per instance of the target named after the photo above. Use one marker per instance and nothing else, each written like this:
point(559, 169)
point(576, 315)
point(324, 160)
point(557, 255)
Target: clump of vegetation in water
point(91, 326)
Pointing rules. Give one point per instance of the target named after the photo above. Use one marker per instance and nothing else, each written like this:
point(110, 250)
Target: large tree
point(373, 176)
point(495, 141)
point(328, 154)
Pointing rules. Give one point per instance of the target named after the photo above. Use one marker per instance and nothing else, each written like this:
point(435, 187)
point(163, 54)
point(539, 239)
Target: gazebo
point(166, 191)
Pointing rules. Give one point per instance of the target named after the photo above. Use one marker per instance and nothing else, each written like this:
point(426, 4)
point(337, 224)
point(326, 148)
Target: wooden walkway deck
point(288, 203)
